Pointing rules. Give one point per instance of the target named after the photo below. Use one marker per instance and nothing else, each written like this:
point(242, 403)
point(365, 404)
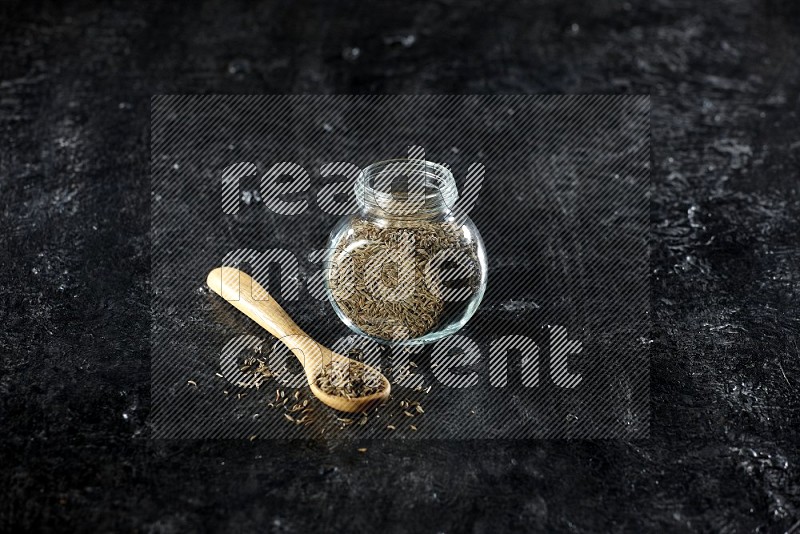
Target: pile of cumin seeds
point(297, 411)
point(420, 307)
point(257, 368)
point(349, 379)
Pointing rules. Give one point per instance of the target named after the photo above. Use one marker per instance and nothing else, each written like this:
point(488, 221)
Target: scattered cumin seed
point(412, 427)
point(192, 383)
point(362, 449)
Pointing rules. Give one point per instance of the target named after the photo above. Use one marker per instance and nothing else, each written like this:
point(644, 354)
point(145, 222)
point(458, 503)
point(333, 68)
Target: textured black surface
point(74, 181)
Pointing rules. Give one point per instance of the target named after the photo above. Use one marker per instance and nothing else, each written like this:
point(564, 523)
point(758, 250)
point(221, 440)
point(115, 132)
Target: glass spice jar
point(407, 268)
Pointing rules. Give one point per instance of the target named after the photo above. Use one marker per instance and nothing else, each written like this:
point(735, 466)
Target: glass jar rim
point(431, 191)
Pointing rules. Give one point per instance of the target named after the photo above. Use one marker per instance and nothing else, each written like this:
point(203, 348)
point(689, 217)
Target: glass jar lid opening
point(406, 188)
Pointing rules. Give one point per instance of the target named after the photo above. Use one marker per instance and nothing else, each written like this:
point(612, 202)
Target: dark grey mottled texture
point(74, 177)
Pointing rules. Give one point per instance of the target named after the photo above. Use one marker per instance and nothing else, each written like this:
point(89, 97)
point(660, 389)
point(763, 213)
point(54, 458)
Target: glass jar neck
point(406, 189)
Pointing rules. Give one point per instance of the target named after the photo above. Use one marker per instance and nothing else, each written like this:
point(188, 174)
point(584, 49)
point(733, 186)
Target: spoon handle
point(250, 298)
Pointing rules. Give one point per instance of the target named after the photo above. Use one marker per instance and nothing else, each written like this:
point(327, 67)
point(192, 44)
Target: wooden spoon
point(246, 295)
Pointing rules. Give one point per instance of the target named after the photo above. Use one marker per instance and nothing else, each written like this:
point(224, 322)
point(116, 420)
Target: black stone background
point(75, 93)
